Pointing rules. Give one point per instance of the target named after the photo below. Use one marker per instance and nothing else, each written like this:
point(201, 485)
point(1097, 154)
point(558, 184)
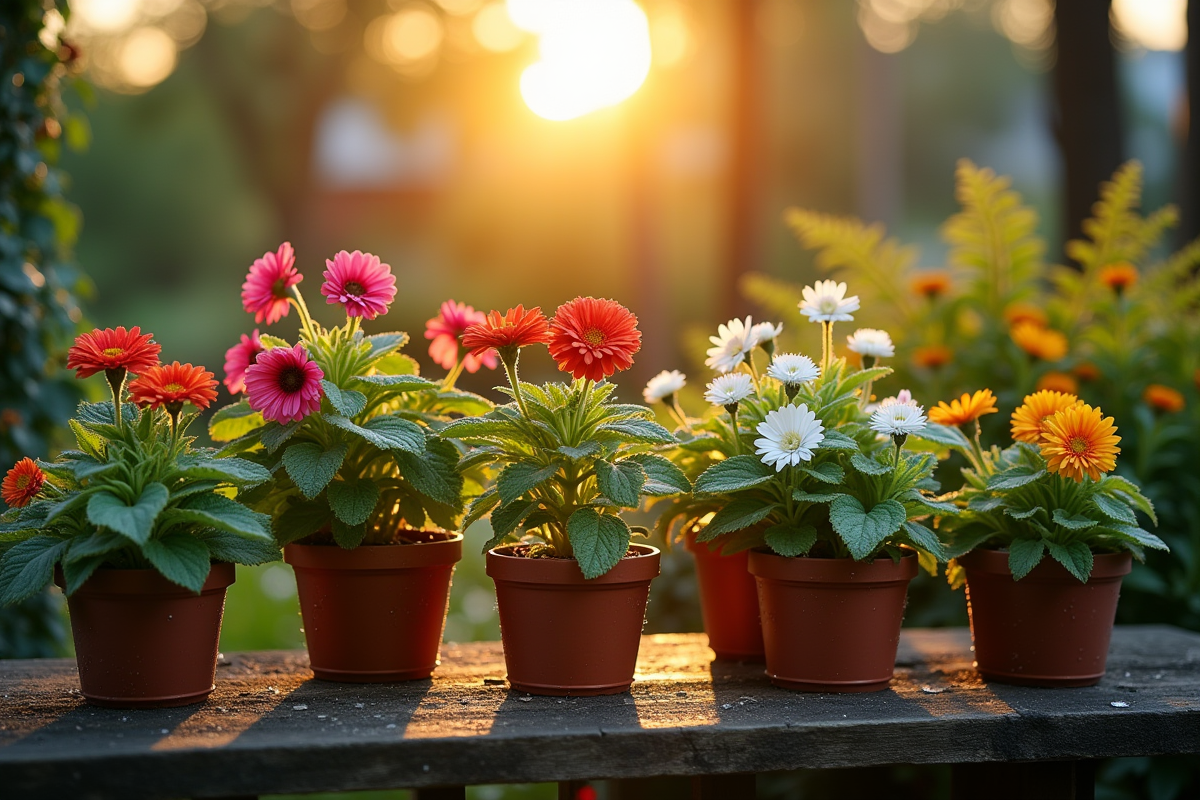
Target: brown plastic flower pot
point(1047, 629)
point(564, 635)
point(831, 624)
point(375, 614)
point(728, 602)
point(144, 642)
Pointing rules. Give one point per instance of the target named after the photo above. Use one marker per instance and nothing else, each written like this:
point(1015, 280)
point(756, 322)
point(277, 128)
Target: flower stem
point(305, 318)
point(510, 361)
point(452, 375)
point(116, 382)
point(733, 423)
point(826, 338)
point(581, 413)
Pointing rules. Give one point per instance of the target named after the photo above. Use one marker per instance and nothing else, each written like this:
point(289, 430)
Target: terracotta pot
point(831, 624)
point(728, 602)
point(1047, 629)
point(375, 614)
point(144, 642)
point(564, 635)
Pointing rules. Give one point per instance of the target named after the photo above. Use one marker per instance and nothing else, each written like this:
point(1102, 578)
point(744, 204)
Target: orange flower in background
point(1016, 313)
point(102, 350)
point(22, 483)
point(966, 409)
point(1058, 382)
point(1119, 277)
point(932, 356)
point(1163, 398)
point(516, 328)
point(1029, 420)
point(1080, 441)
point(1039, 342)
point(1086, 371)
point(172, 385)
point(1196, 378)
point(592, 338)
point(931, 284)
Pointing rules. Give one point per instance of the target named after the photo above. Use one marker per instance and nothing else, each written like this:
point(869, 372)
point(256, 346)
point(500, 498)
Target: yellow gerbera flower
point(1044, 343)
point(1080, 441)
point(1029, 421)
point(967, 408)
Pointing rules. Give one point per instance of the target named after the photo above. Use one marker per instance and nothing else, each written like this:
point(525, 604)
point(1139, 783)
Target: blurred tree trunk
point(1189, 188)
point(745, 122)
point(1088, 122)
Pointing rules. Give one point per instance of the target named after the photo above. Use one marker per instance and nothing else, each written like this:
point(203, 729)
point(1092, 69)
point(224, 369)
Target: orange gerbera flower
point(931, 284)
point(1039, 342)
point(932, 356)
point(1080, 441)
point(1029, 420)
point(1163, 398)
point(1119, 277)
point(1058, 382)
point(1016, 313)
point(1086, 371)
point(22, 483)
point(516, 328)
point(171, 385)
point(966, 409)
point(592, 338)
point(102, 350)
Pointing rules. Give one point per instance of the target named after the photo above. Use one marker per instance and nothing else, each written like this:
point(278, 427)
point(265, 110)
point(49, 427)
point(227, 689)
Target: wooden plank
point(270, 728)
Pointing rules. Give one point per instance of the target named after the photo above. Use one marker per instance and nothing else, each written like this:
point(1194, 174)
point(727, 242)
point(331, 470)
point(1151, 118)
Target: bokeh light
point(147, 57)
point(1152, 24)
point(494, 29)
point(412, 34)
point(104, 16)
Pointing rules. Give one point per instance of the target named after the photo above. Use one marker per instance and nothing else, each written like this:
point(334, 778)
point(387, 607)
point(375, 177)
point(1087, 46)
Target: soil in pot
point(375, 614)
point(831, 624)
point(144, 642)
point(1047, 629)
point(564, 635)
point(728, 602)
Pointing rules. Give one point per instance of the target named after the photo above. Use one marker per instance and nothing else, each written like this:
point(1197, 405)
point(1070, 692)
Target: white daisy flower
point(904, 396)
point(727, 390)
point(826, 301)
point(789, 436)
point(663, 385)
point(898, 419)
point(871, 342)
point(793, 370)
point(765, 332)
point(733, 341)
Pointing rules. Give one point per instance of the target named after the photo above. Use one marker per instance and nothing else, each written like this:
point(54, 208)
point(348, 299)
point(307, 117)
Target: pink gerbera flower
point(284, 384)
point(238, 358)
point(446, 330)
point(265, 292)
point(360, 282)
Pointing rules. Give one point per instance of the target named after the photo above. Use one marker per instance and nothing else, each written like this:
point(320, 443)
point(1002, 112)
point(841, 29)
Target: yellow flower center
point(22, 481)
point(594, 337)
point(790, 441)
point(828, 305)
point(173, 388)
point(113, 352)
point(1079, 445)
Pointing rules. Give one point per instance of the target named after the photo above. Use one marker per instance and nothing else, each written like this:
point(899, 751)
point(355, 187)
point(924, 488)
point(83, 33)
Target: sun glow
point(594, 54)
point(1153, 24)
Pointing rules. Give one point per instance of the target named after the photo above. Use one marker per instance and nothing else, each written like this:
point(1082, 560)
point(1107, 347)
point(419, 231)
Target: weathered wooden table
point(270, 728)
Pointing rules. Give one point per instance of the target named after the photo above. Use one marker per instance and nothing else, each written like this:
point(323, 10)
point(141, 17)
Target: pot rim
point(832, 571)
point(445, 551)
point(148, 582)
point(989, 561)
point(565, 572)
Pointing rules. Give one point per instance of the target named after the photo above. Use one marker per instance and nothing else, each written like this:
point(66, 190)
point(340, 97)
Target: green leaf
point(588, 448)
point(1114, 509)
point(348, 537)
point(270, 342)
point(77, 571)
point(1073, 522)
point(237, 471)
point(181, 558)
point(136, 521)
point(397, 383)
point(234, 421)
point(829, 472)
point(985, 503)
point(28, 566)
point(1133, 493)
point(734, 516)
point(943, 435)
point(312, 468)
point(519, 478)
point(1022, 513)
point(863, 531)
point(790, 540)
point(1142, 537)
point(801, 496)
point(347, 401)
point(91, 443)
point(385, 432)
point(621, 482)
point(275, 435)
point(733, 474)
point(384, 343)
point(1024, 555)
point(925, 539)
point(662, 476)
point(599, 541)
point(302, 519)
point(837, 441)
point(430, 477)
point(224, 546)
point(353, 500)
point(938, 506)
point(869, 466)
point(102, 413)
point(479, 427)
point(1014, 478)
point(1076, 557)
point(638, 430)
point(506, 518)
point(217, 511)
point(96, 543)
point(479, 507)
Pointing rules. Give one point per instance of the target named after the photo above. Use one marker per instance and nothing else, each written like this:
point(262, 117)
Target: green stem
point(581, 413)
point(826, 344)
point(116, 383)
point(452, 375)
point(305, 318)
point(511, 361)
point(733, 423)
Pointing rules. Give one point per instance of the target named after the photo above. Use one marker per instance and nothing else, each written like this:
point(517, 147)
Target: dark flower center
point(279, 288)
point(354, 288)
point(291, 379)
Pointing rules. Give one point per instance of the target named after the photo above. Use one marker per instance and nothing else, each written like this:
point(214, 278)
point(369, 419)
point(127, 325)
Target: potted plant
point(364, 494)
point(571, 588)
point(1035, 620)
point(825, 499)
point(137, 527)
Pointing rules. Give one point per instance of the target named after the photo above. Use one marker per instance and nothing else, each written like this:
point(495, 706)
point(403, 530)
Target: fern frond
point(1116, 231)
point(779, 298)
point(994, 238)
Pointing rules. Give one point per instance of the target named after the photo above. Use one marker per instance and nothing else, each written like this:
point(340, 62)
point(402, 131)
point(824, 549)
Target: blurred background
point(531, 150)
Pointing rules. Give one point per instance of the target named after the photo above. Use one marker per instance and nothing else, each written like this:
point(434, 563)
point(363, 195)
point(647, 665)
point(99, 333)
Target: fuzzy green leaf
point(217, 511)
point(181, 558)
point(662, 476)
point(77, 571)
point(588, 448)
point(479, 507)
point(300, 519)
point(385, 432)
point(790, 540)
point(28, 566)
point(837, 441)
point(801, 496)
point(224, 546)
point(863, 531)
point(237, 471)
point(734, 516)
point(599, 541)
point(1141, 537)
point(638, 430)
point(869, 466)
point(829, 472)
point(926, 539)
point(1024, 555)
point(96, 543)
point(353, 500)
point(943, 435)
point(136, 521)
point(348, 402)
point(274, 435)
point(521, 477)
point(733, 475)
point(384, 343)
point(478, 427)
point(312, 468)
point(1073, 522)
point(348, 537)
point(398, 383)
point(937, 506)
point(234, 421)
point(621, 482)
point(431, 475)
point(1114, 509)
point(1076, 557)
point(1131, 493)
point(1014, 478)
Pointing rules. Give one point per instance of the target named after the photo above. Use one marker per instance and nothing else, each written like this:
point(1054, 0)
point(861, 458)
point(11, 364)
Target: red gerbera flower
point(592, 338)
point(102, 350)
point(362, 283)
point(172, 385)
point(516, 328)
point(284, 384)
point(446, 330)
point(238, 358)
point(265, 292)
point(22, 483)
